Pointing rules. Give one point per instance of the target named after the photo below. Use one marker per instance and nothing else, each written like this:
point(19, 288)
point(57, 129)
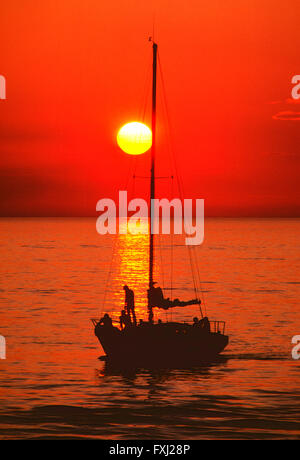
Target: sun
point(134, 138)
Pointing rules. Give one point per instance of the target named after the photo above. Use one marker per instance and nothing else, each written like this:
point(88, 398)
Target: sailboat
point(169, 342)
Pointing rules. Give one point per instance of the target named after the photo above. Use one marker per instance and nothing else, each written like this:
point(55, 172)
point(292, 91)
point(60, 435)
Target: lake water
point(55, 276)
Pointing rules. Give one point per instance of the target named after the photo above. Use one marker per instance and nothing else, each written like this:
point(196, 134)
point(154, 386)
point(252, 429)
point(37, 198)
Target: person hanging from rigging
point(156, 299)
point(129, 303)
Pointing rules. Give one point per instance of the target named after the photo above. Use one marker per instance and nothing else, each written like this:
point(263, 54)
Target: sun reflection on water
point(131, 260)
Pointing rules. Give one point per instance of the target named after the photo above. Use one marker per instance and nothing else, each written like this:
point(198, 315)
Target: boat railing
point(217, 326)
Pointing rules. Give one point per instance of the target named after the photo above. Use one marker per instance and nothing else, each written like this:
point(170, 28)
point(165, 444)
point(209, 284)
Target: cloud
point(287, 115)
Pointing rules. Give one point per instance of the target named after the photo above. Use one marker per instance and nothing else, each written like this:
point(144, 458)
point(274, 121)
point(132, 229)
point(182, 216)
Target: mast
point(152, 181)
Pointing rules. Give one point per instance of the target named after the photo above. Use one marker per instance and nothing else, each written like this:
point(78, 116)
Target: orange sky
point(76, 70)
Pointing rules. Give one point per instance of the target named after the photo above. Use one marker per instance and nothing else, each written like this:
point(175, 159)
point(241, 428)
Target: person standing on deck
point(125, 320)
point(129, 303)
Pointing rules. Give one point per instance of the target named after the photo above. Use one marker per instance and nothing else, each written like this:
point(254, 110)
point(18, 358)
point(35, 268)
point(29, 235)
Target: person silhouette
point(125, 320)
point(205, 324)
point(129, 303)
point(106, 321)
point(196, 321)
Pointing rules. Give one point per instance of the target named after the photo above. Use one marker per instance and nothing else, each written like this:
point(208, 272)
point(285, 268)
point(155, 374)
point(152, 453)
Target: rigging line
point(142, 112)
point(198, 286)
point(197, 278)
point(179, 181)
point(145, 91)
point(144, 86)
point(172, 248)
point(115, 239)
point(193, 271)
point(169, 177)
point(200, 283)
point(166, 123)
point(133, 178)
point(147, 95)
point(173, 157)
point(172, 193)
point(134, 165)
point(161, 259)
point(109, 273)
point(171, 147)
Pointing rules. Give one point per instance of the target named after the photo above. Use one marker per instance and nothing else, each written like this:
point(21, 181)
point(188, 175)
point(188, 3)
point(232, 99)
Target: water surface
point(55, 276)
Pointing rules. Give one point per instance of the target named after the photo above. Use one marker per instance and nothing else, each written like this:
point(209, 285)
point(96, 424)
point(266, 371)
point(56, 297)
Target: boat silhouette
point(169, 343)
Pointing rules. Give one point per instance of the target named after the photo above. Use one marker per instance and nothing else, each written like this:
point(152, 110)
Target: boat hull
point(169, 343)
